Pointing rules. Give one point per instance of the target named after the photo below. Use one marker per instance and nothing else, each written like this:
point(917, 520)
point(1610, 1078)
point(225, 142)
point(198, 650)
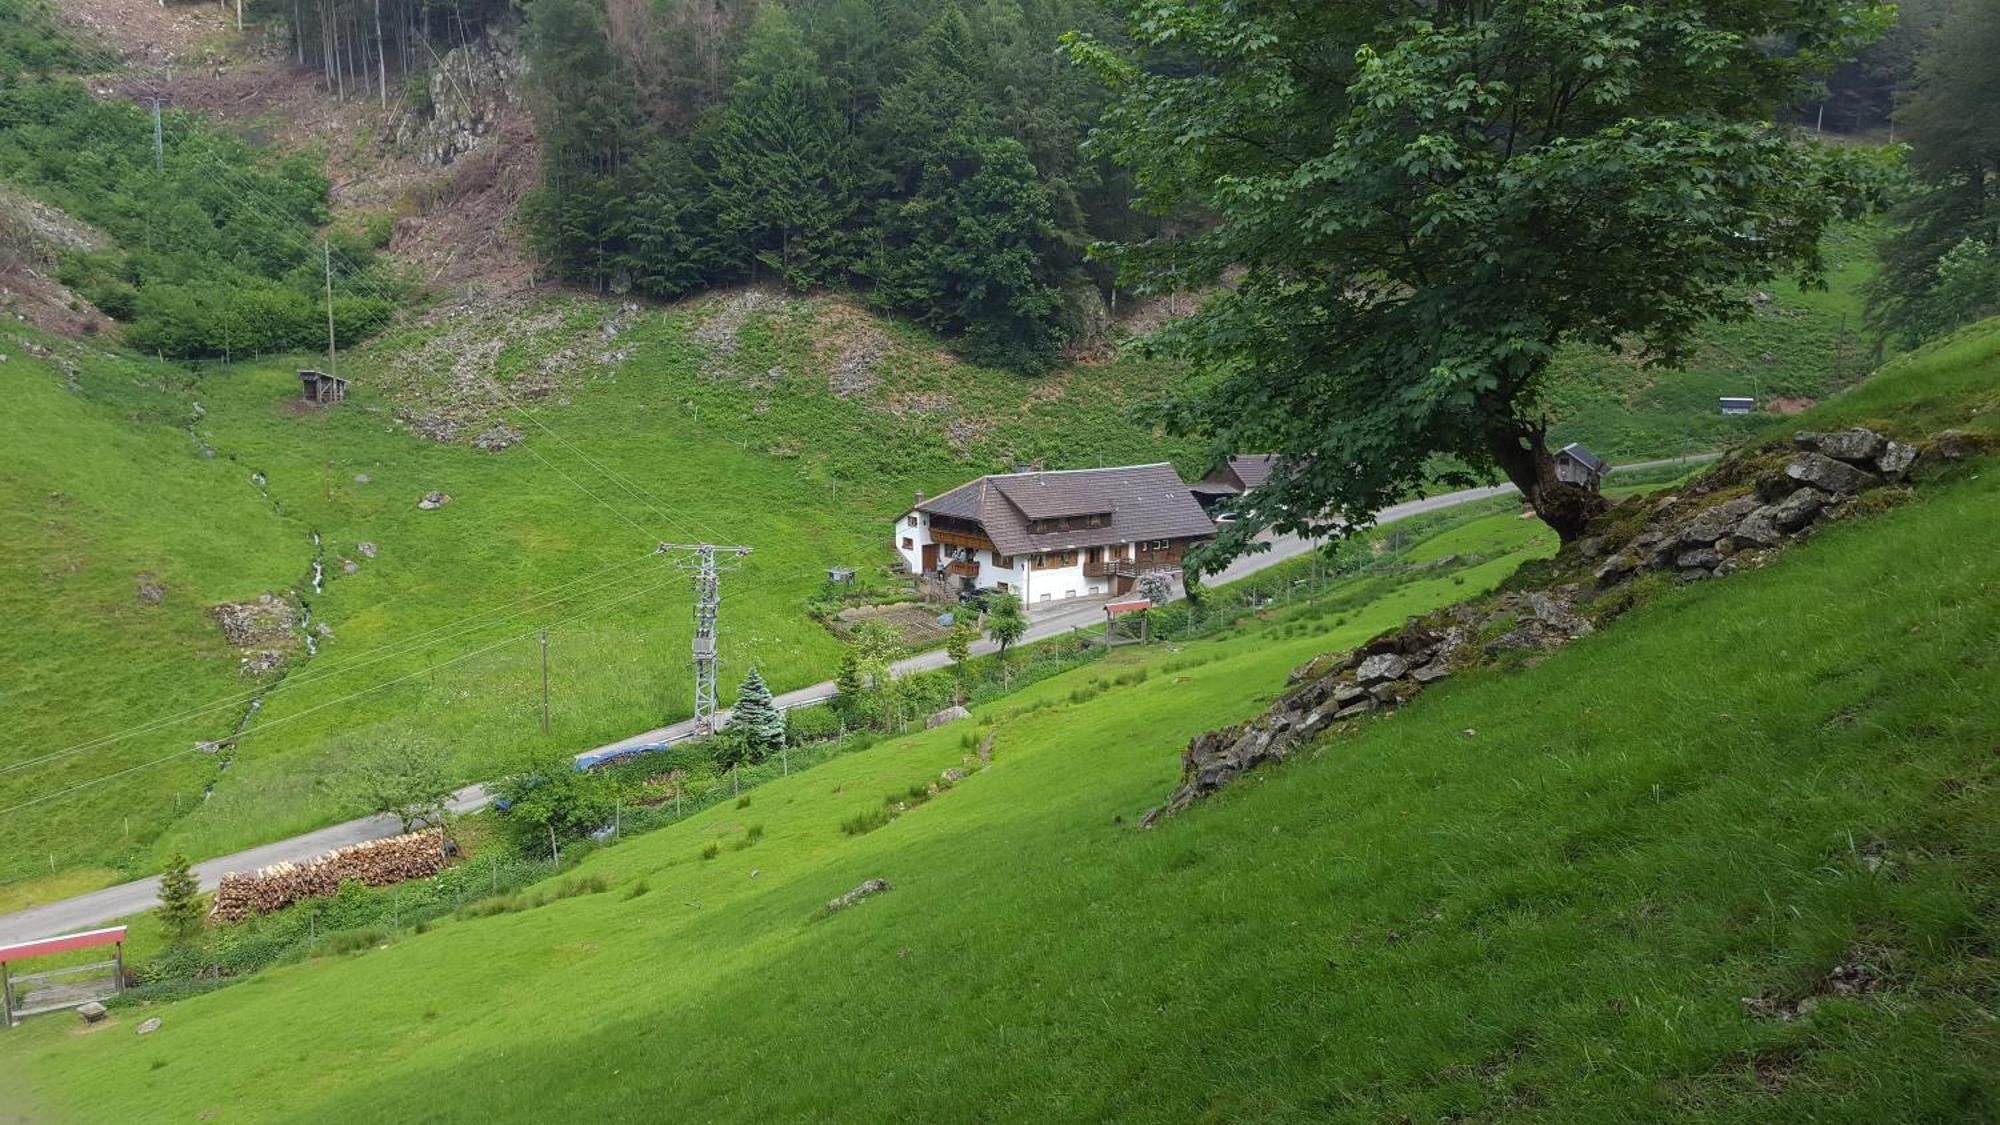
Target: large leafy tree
point(1942, 267)
point(1427, 200)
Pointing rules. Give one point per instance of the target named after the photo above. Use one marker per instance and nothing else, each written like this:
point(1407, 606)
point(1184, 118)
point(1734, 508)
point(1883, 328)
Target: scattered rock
point(1758, 529)
point(1797, 510)
point(1957, 445)
point(949, 715)
point(349, 566)
point(498, 437)
point(367, 550)
point(149, 1026)
point(361, 478)
point(433, 500)
point(1379, 669)
point(92, 1012)
point(1857, 446)
point(1828, 475)
point(1704, 558)
point(953, 774)
point(1895, 459)
point(1431, 673)
point(871, 887)
point(151, 593)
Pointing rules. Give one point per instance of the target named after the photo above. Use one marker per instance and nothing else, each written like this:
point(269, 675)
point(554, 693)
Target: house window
point(912, 521)
point(909, 543)
point(1044, 598)
point(1069, 593)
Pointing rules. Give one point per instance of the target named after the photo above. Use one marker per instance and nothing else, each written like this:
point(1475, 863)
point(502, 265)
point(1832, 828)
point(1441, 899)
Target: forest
point(930, 156)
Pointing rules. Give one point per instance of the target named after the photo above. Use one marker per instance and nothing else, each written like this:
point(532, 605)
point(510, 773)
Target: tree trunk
point(1522, 453)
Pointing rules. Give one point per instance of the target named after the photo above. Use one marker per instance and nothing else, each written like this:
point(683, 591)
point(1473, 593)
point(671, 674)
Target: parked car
point(979, 597)
point(1225, 517)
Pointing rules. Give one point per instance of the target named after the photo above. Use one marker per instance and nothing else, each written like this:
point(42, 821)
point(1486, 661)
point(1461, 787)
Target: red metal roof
point(1113, 609)
point(88, 939)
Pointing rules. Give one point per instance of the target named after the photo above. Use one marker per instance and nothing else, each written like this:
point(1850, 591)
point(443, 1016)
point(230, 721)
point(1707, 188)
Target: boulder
point(952, 774)
point(1714, 523)
point(433, 500)
point(150, 1026)
point(92, 1012)
point(1859, 446)
point(1348, 693)
point(1758, 529)
point(1431, 673)
point(1828, 475)
point(1362, 708)
point(367, 550)
point(1382, 668)
point(1704, 558)
point(1797, 510)
point(948, 715)
point(1896, 459)
point(1957, 445)
point(871, 887)
point(1616, 569)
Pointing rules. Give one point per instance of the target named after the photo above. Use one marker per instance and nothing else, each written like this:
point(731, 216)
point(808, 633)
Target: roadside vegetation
point(1758, 883)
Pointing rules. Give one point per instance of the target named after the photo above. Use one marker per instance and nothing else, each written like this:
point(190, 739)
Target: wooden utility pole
point(332, 361)
point(545, 683)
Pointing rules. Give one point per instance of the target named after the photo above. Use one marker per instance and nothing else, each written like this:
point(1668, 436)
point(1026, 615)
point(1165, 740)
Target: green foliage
point(180, 899)
point(208, 264)
point(755, 718)
point(1006, 622)
point(930, 156)
point(1941, 269)
point(958, 645)
point(34, 42)
point(549, 794)
point(1428, 207)
point(410, 781)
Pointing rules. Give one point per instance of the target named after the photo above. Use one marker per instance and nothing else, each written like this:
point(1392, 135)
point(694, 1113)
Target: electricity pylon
point(701, 561)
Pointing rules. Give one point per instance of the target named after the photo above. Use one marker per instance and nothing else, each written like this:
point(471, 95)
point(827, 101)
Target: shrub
point(713, 849)
point(861, 824)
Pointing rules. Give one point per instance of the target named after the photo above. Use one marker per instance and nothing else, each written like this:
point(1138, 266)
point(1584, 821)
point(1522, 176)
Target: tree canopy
point(926, 155)
point(1941, 268)
point(1424, 205)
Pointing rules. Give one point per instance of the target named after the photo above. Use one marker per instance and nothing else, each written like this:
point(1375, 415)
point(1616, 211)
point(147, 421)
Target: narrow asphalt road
point(99, 907)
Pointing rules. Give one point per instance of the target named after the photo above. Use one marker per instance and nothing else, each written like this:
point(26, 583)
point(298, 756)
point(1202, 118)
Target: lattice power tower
point(702, 563)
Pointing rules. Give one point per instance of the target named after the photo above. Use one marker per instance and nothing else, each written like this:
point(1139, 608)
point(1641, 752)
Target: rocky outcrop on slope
point(1739, 515)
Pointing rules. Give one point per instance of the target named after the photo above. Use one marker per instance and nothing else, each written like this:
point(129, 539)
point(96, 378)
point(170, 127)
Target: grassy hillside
point(685, 434)
point(1801, 345)
point(1539, 894)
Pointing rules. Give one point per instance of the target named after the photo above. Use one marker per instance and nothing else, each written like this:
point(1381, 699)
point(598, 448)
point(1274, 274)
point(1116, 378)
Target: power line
point(292, 685)
point(343, 699)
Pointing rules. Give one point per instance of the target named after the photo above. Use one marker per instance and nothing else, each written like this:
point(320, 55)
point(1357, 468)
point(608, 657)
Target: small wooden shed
point(322, 388)
point(1736, 404)
point(1579, 466)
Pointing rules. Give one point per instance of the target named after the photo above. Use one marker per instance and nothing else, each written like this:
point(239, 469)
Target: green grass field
point(432, 639)
point(797, 426)
point(1538, 894)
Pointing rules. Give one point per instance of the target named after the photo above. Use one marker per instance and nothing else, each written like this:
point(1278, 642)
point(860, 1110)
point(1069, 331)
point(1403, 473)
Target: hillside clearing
point(1541, 894)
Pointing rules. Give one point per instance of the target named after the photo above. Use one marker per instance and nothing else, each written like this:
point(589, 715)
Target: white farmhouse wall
point(919, 536)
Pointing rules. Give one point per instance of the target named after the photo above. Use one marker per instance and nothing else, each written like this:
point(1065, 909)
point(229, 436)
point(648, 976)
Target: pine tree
point(180, 899)
point(848, 683)
point(756, 717)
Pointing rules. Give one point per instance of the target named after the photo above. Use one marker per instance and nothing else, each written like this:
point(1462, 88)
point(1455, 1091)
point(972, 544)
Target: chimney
point(920, 498)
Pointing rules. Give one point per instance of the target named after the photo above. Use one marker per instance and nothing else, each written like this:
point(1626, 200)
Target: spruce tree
point(756, 717)
point(180, 899)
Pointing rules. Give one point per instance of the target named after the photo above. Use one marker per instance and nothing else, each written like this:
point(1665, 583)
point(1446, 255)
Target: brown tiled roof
point(1143, 501)
point(1253, 469)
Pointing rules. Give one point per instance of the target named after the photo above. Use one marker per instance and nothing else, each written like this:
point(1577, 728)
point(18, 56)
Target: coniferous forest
point(929, 155)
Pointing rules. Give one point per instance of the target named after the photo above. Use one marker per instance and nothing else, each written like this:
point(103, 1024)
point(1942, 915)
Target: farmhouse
point(1050, 536)
point(1242, 473)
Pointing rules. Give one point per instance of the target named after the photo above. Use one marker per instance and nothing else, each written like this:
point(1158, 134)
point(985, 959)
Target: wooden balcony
point(950, 538)
point(1111, 568)
point(961, 568)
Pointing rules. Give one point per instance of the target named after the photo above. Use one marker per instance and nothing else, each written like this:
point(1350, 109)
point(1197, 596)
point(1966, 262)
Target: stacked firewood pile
point(377, 863)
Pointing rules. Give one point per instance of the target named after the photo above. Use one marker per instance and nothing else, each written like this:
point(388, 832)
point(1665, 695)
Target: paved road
point(99, 907)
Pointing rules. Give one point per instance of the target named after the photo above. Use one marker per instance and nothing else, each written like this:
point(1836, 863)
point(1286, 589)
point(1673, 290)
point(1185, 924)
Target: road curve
point(99, 907)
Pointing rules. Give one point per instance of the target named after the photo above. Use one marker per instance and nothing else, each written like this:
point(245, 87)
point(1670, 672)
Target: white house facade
point(1048, 537)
